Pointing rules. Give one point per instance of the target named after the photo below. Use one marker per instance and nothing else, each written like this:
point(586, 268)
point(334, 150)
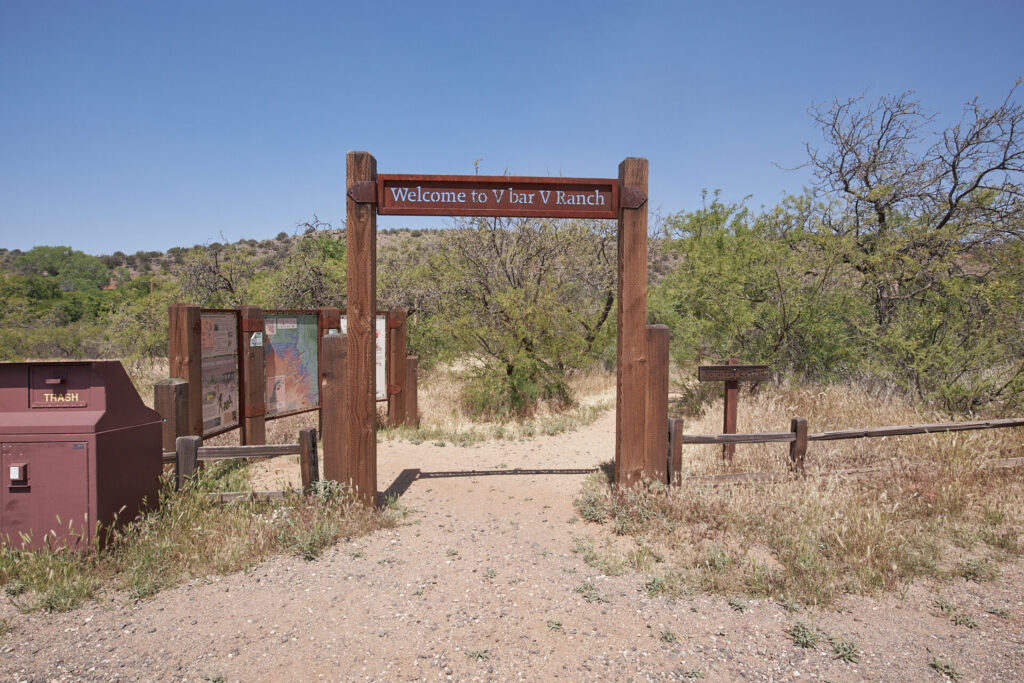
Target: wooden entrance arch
point(641, 426)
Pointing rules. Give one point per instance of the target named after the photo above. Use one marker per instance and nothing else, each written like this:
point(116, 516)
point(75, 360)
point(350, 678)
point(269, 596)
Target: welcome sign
point(519, 196)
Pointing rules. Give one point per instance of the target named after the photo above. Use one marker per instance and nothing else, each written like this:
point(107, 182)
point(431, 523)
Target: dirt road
point(481, 584)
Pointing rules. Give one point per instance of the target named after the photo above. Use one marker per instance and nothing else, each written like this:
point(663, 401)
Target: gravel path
point(481, 584)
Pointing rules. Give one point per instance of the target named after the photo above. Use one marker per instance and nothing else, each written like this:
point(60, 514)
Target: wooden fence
point(189, 452)
point(798, 437)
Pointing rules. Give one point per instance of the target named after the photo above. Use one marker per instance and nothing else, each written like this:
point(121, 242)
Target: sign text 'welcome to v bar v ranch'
point(440, 195)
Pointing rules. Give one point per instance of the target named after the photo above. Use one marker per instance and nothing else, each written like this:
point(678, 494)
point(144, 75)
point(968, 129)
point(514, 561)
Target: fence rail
point(189, 452)
point(798, 438)
point(869, 432)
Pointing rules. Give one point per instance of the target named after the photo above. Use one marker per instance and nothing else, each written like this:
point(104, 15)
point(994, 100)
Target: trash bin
point(77, 448)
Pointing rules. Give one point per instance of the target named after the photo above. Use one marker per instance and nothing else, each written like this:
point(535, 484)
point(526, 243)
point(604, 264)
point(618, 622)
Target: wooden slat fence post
point(334, 408)
point(631, 349)
point(675, 451)
point(252, 377)
point(412, 409)
point(730, 398)
point(186, 449)
point(329, 321)
point(396, 366)
point(308, 461)
point(798, 447)
point(170, 399)
point(656, 411)
point(185, 359)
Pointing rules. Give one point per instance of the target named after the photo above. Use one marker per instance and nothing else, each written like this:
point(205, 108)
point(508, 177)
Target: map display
point(291, 344)
point(380, 332)
point(218, 344)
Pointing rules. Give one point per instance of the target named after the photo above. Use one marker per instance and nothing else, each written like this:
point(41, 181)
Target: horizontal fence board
point(903, 430)
point(771, 477)
point(867, 432)
point(239, 452)
point(245, 495)
point(768, 437)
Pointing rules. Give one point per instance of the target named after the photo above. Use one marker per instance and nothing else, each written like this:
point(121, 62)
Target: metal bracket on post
point(394, 389)
point(363, 192)
point(393, 323)
point(632, 197)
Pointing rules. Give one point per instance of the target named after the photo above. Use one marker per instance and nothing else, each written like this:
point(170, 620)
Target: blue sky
point(146, 125)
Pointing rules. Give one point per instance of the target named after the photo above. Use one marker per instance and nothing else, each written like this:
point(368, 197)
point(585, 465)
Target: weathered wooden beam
point(309, 470)
point(186, 458)
point(766, 437)
point(675, 450)
point(333, 407)
point(904, 430)
point(396, 375)
point(232, 496)
point(361, 305)
point(185, 358)
point(631, 351)
point(252, 378)
point(729, 400)
point(170, 399)
point(412, 409)
point(798, 446)
point(656, 411)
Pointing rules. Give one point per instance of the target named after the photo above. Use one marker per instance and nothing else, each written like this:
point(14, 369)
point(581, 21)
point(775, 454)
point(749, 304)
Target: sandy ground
point(480, 584)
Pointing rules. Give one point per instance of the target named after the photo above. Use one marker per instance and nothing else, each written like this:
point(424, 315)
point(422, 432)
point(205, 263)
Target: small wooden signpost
point(732, 374)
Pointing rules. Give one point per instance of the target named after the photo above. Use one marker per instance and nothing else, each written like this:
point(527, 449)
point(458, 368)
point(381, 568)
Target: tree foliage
point(528, 298)
point(904, 260)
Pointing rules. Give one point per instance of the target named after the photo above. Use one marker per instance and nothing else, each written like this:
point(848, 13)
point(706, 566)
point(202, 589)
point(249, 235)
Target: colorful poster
point(218, 343)
point(292, 370)
point(380, 331)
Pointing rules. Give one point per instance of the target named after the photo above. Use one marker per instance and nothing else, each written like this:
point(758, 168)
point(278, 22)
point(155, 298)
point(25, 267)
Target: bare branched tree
point(916, 200)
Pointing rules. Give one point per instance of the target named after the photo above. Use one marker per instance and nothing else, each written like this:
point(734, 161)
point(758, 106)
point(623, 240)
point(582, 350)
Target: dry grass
point(441, 417)
point(189, 537)
point(938, 511)
point(838, 406)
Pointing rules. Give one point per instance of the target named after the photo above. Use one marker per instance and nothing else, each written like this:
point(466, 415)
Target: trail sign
point(519, 196)
point(736, 373)
point(732, 374)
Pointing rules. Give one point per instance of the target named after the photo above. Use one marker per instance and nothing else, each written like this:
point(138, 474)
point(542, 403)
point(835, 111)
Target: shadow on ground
point(405, 479)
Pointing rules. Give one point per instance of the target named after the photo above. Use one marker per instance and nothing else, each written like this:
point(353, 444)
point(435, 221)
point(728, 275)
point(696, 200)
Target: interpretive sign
point(443, 195)
point(291, 344)
point(380, 355)
point(218, 343)
point(737, 373)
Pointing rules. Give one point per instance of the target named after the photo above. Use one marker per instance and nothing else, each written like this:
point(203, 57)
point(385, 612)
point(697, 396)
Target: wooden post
point(361, 230)
point(170, 399)
point(798, 447)
point(412, 409)
point(675, 451)
point(329, 322)
point(631, 354)
point(656, 412)
point(186, 458)
point(334, 407)
point(729, 421)
point(252, 383)
point(308, 462)
point(396, 366)
point(185, 359)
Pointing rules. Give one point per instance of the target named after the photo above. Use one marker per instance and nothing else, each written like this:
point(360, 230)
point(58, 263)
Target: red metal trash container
point(77, 447)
